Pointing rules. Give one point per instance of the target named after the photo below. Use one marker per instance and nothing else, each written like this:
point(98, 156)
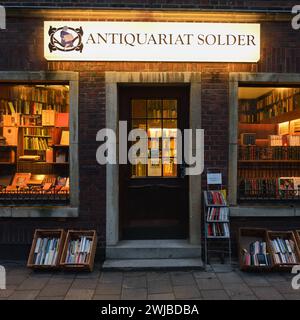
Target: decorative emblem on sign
point(65, 39)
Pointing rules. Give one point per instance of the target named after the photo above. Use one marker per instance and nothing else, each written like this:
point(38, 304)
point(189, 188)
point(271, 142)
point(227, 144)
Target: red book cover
point(62, 120)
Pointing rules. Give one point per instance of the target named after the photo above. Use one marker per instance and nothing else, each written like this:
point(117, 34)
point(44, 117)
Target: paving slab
point(79, 294)
point(214, 295)
point(134, 294)
point(186, 292)
point(159, 286)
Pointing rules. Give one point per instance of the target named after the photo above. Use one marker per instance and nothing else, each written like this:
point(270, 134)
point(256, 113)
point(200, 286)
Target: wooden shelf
point(288, 116)
point(8, 163)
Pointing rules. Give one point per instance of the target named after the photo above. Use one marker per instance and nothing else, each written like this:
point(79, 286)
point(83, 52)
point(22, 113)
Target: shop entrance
point(153, 197)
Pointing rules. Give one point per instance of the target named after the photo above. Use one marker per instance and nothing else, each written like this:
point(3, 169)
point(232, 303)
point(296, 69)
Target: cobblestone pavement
point(217, 282)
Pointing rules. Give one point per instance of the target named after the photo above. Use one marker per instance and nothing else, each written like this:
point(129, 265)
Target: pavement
point(217, 282)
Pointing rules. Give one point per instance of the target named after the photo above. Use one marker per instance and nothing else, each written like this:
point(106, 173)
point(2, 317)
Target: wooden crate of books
point(79, 250)
point(46, 249)
point(284, 249)
point(254, 250)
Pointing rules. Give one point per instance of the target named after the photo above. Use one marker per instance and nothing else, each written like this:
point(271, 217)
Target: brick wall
point(21, 48)
point(157, 4)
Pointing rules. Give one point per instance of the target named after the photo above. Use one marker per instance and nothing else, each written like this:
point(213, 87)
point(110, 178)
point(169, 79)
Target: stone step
point(152, 264)
point(153, 249)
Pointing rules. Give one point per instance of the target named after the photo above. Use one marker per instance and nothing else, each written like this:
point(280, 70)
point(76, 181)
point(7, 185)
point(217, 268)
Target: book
point(48, 117)
point(65, 138)
point(11, 135)
point(62, 120)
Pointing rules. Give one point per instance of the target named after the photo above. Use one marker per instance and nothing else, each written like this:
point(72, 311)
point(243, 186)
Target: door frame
point(112, 81)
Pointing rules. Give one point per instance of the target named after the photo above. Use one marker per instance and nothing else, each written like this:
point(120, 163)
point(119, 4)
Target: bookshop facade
point(235, 75)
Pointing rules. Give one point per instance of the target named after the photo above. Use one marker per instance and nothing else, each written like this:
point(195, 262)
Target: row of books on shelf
point(281, 188)
point(272, 105)
point(58, 249)
point(284, 251)
point(35, 143)
point(216, 197)
point(79, 250)
point(269, 153)
point(268, 171)
point(46, 95)
point(216, 229)
point(44, 118)
point(218, 214)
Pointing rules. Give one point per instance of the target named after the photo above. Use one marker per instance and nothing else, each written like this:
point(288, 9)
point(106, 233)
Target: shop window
point(34, 144)
point(269, 144)
point(159, 119)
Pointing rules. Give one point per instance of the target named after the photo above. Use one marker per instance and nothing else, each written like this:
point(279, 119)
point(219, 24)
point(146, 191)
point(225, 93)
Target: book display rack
point(46, 249)
point(284, 249)
point(79, 250)
point(56, 249)
point(266, 250)
point(254, 250)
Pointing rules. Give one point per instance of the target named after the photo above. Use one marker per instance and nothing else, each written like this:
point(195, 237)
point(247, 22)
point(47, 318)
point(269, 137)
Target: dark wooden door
point(154, 195)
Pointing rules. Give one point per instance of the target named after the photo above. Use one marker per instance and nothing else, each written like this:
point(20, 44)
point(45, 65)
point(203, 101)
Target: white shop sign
point(151, 41)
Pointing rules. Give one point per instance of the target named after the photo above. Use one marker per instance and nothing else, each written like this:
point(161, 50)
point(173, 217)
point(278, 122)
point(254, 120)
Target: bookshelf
point(284, 249)
point(46, 249)
point(217, 223)
point(79, 250)
point(33, 119)
point(252, 241)
point(269, 146)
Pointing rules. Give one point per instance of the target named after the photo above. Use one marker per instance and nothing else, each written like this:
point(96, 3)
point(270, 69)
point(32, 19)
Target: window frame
point(70, 78)
point(235, 80)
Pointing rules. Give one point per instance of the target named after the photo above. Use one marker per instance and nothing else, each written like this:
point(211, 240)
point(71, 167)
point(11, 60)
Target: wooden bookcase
point(74, 235)
point(246, 237)
point(46, 233)
point(284, 235)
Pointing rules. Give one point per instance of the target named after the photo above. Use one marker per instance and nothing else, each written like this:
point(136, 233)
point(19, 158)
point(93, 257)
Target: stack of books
point(217, 214)
point(79, 251)
point(46, 251)
point(284, 251)
point(257, 255)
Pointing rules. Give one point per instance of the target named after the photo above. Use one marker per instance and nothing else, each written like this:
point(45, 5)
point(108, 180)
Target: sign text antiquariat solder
point(151, 41)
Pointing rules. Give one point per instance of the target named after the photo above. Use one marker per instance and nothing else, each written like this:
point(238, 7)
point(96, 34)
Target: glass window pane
point(138, 108)
point(138, 169)
point(169, 167)
point(154, 129)
point(154, 147)
point(154, 108)
point(139, 124)
point(169, 147)
point(170, 108)
point(154, 167)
